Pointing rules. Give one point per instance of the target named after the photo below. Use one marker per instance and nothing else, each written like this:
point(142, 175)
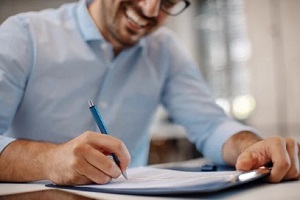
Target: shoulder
point(48, 17)
point(162, 38)
point(162, 43)
point(167, 45)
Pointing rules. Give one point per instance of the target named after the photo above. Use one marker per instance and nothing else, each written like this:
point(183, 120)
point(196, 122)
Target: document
point(156, 181)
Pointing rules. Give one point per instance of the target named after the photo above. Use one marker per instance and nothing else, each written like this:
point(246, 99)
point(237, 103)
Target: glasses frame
point(187, 4)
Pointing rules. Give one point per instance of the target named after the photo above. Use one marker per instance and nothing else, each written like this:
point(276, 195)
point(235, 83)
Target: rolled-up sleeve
point(4, 141)
point(214, 143)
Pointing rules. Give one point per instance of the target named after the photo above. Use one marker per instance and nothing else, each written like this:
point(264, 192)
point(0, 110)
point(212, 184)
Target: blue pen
point(103, 130)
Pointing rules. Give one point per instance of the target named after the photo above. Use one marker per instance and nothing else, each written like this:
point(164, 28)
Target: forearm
point(24, 160)
point(236, 144)
point(82, 160)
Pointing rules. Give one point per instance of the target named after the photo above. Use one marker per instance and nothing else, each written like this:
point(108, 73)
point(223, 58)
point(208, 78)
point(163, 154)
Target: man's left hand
point(282, 153)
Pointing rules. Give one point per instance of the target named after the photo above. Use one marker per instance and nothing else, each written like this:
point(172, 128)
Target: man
point(115, 53)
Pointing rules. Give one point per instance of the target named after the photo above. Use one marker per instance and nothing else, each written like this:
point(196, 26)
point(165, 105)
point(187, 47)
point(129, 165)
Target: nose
point(150, 8)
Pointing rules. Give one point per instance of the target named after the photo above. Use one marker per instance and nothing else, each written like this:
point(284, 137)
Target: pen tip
point(91, 104)
point(125, 175)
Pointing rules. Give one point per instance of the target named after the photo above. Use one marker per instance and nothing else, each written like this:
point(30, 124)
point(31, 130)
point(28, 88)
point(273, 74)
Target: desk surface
point(285, 190)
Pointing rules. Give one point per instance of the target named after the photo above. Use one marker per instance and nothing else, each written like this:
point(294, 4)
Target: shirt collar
point(87, 26)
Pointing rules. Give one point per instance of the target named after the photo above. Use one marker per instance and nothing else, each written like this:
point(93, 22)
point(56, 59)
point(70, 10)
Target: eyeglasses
point(174, 7)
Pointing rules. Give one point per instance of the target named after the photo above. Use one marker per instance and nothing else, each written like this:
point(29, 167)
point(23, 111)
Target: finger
point(110, 144)
point(246, 161)
point(280, 160)
point(102, 162)
point(94, 174)
point(292, 149)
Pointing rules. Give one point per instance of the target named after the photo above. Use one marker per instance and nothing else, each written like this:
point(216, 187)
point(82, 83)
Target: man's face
point(125, 22)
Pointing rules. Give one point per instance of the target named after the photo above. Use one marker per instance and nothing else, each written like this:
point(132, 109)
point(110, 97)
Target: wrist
point(236, 144)
point(49, 161)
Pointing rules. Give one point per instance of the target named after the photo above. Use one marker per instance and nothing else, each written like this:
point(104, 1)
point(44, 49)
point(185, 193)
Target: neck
point(93, 10)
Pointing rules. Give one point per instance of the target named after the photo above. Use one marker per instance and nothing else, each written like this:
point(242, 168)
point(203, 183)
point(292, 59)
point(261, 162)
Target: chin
point(129, 43)
point(130, 40)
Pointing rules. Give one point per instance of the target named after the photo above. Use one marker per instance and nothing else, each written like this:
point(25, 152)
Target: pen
point(103, 130)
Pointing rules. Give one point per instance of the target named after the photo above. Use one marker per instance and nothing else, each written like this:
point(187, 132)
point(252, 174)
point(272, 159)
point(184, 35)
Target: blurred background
point(249, 53)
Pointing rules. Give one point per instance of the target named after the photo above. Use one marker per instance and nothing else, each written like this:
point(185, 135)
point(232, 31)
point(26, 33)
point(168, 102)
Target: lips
point(136, 21)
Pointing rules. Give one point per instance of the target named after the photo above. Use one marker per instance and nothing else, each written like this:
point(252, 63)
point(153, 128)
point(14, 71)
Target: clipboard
point(209, 185)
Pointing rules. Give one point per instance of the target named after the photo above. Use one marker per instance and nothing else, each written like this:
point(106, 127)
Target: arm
point(80, 161)
point(247, 151)
point(189, 102)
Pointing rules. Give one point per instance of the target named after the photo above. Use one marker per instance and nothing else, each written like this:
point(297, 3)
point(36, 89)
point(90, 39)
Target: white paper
point(148, 177)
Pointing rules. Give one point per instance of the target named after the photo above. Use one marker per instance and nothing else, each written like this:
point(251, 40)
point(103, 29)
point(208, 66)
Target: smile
point(135, 18)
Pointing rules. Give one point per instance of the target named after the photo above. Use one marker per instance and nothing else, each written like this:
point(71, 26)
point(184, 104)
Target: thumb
point(246, 161)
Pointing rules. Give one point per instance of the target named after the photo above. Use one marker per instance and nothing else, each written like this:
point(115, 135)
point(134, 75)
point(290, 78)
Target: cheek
point(114, 18)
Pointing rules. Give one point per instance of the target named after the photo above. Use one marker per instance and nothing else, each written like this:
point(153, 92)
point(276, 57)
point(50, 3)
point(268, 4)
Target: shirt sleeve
point(15, 59)
point(213, 146)
point(190, 103)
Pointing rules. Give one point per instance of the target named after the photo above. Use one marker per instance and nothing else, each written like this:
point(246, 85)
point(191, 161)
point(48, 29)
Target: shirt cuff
point(4, 141)
point(214, 144)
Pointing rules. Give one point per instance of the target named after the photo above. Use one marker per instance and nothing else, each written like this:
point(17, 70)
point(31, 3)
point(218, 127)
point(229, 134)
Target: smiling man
point(116, 53)
point(124, 23)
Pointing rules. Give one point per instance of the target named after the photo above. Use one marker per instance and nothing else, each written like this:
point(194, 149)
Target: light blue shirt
point(53, 61)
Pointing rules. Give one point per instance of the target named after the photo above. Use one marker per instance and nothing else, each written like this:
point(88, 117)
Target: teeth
point(135, 18)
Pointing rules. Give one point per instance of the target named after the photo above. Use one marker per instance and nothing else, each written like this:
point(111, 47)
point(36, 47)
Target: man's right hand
point(82, 160)
point(85, 160)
